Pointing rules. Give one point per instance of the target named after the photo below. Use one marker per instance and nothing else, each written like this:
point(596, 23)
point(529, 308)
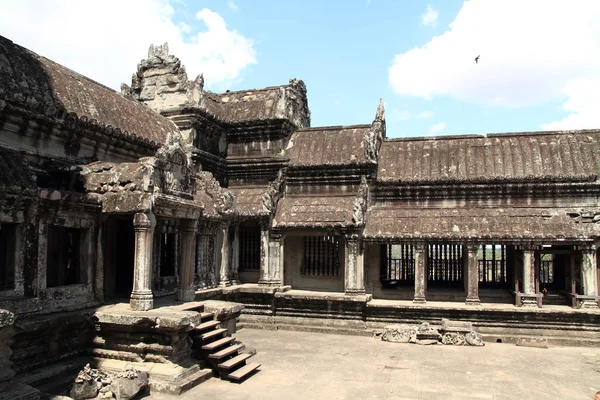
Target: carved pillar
point(141, 295)
point(354, 275)
point(274, 275)
point(264, 253)
point(224, 271)
point(185, 289)
point(589, 279)
point(472, 268)
point(420, 272)
point(235, 255)
point(529, 276)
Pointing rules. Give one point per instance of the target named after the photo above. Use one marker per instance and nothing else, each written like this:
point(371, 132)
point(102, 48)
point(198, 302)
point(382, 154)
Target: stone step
point(207, 325)
point(232, 362)
point(217, 343)
point(213, 334)
point(206, 316)
point(227, 351)
point(243, 372)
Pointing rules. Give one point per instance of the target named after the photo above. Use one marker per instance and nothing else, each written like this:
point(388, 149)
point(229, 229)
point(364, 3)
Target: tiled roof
point(39, 84)
point(248, 200)
point(255, 104)
point(328, 146)
point(476, 223)
point(315, 211)
point(541, 156)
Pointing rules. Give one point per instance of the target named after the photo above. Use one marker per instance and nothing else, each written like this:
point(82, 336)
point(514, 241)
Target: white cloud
point(437, 128)
point(424, 115)
point(531, 51)
point(93, 39)
point(430, 16)
point(232, 6)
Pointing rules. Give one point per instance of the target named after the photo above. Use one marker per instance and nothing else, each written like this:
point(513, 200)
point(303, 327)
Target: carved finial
point(380, 114)
point(161, 51)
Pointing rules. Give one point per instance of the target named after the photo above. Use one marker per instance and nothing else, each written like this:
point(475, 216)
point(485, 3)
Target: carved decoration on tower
point(161, 82)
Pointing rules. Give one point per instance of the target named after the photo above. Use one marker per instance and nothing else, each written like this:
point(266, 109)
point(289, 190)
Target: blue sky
point(539, 66)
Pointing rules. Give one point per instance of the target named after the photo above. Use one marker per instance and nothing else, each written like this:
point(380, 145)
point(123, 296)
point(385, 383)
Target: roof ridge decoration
point(293, 103)
point(374, 136)
point(161, 82)
point(273, 194)
point(222, 198)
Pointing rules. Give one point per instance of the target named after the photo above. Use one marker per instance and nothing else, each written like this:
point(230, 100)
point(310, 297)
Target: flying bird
point(477, 60)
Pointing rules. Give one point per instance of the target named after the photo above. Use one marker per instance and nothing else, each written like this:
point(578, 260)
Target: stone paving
point(301, 365)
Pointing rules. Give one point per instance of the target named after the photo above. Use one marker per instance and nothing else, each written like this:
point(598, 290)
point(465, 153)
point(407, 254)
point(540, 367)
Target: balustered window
point(445, 264)
point(491, 259)
point(168, 254)
point(205, 253)
point(63, 258)
point(321, 256)
point(397, 264)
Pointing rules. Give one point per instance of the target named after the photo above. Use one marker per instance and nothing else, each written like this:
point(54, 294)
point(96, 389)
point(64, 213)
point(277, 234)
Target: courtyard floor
point(302, 365)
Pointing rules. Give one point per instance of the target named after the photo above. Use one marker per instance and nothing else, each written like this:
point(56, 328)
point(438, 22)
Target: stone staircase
point(214, 345)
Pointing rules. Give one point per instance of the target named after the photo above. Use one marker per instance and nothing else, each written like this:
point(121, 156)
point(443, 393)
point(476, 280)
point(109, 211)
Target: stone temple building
point(124, 217)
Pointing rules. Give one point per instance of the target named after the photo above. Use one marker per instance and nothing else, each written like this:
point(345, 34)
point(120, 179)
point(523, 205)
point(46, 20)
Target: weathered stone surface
point(398, 333)
point(455, 326)
point(84, 390)
point(123, 385)
point(128, 383)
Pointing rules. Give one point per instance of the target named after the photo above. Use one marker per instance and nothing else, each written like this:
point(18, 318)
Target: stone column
point(529, 277)
point(354, 274)
point(274, 274)
point(141, 295)
point(472, 268)
point(589, 278)
point(224, 271)
point(235, 255)
point(420, 272)
point(264, 254)
point(185, 289)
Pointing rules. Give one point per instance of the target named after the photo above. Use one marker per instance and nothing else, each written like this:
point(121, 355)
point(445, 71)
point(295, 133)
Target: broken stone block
point(456, 326)
point(474, 339)
point(129, 382)
point(398, 333)
point(425, 332)
point(85, 389)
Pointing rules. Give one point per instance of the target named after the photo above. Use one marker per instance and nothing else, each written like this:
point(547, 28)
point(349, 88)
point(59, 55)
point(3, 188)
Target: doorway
point(119, 252)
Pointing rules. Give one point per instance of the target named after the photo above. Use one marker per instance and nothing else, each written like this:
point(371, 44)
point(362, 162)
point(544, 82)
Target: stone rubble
point(95, 384)
point(454, 333)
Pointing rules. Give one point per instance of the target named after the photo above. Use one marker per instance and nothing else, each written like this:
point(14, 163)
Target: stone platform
point(287, 309)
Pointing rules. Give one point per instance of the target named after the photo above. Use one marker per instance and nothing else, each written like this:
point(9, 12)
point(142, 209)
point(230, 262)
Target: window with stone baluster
point(321, 256)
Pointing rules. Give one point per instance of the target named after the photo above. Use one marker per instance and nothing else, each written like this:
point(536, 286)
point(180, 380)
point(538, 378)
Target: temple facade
point(166, 190)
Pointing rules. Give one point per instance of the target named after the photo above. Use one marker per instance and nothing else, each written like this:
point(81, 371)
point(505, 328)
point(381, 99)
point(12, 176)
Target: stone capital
point(588, 248)
point(144, 221)
point(189, 226)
